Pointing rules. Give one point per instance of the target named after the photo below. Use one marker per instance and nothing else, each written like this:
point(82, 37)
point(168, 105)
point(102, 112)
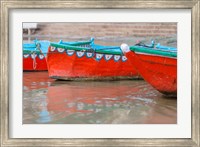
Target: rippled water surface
point(94, 102)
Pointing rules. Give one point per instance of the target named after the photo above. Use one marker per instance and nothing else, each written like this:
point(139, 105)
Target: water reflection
point(99, 102)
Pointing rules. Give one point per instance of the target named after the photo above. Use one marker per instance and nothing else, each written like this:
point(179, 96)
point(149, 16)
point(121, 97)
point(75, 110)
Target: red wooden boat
point(88, 61)
point(158, 67)
point(34, 61)
point(34, 56)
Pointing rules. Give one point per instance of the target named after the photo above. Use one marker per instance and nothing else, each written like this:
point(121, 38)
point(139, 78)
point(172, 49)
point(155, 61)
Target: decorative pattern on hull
point(80, 54)
point(108, 57)
point(52, 48)
point(124, 58)
point(70, 52)
point(41, 56)
point(26, 55)
point(97, 56)
point(61, 50)
point(89, 55)
point(33, 56)
point(117, 57)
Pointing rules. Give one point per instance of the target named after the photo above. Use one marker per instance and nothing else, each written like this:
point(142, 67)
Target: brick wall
point(108, 33)
point(108, 29)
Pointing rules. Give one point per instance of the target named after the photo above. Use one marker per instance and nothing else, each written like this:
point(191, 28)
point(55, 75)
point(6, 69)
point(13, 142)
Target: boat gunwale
point(156, 55)
point(26, 51)
point(153, 51)
point(30, 48)
point(87, 49)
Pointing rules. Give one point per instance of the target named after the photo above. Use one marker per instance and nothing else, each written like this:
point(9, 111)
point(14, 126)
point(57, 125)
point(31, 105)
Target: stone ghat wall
point(108, 29)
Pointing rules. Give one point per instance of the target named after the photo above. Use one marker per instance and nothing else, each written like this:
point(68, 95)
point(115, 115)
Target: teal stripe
point(153, 51)
point(65, 46)
point(104, 50)
point(31, 51)
point(29, 45)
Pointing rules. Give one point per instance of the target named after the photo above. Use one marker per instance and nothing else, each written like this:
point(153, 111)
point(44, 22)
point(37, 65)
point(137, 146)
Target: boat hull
point(77, 65)
point(158, 71)
point(34, 62)
point(34, 55)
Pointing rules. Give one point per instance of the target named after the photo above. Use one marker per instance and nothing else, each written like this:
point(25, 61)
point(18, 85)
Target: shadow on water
point(94, 102)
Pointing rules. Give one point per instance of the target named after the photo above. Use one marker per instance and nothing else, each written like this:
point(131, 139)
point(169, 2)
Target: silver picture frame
point(7, 5)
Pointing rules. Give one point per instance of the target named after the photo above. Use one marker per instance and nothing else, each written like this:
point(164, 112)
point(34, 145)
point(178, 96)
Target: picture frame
point(6, 5)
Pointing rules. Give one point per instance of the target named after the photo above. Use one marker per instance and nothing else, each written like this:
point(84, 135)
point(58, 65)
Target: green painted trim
point(153, 51)
point(31, 51)
point(76, 48)
point(107, 51)
point(71, 47)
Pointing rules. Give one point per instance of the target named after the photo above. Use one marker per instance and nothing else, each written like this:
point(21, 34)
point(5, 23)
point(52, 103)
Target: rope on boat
point(38, 45)
point(34, 61)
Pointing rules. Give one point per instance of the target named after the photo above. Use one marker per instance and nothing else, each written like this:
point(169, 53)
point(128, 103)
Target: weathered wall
point(108, 29)
point(164, 33)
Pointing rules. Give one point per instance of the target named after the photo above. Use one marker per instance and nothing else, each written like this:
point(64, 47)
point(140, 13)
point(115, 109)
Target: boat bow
point(157, 67)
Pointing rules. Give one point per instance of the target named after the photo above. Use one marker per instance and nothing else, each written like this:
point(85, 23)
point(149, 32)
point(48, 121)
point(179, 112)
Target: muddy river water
point(47, 101)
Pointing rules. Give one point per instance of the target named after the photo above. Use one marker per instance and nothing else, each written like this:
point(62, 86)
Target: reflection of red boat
point(87, 60)
point(157, 67)
point(86, 97)
point(38, 80)
point(78, 96)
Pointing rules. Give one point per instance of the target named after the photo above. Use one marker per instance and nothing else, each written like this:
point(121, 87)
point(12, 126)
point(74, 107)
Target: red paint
point(28, 64)
point(160, 72)
point(67, 97)
point(63, 66)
